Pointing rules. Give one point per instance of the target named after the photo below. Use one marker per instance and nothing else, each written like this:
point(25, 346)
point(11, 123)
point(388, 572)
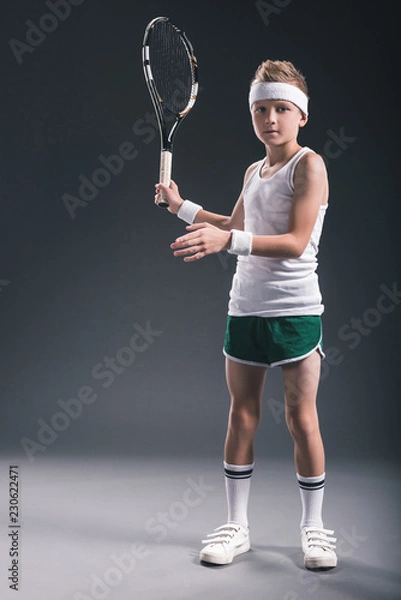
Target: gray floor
point(125, 529)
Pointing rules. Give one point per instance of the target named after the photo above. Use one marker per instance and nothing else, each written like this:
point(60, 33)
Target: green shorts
point(272, 341)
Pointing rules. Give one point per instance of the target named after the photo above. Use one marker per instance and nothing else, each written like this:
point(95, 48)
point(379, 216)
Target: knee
point(244, 419)
point(301, 425)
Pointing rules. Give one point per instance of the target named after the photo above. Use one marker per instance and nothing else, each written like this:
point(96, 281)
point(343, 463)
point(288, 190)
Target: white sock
point(312, 491)
point(238, 485)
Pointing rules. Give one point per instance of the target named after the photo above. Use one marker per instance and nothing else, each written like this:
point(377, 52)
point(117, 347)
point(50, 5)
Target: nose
point(270, 116)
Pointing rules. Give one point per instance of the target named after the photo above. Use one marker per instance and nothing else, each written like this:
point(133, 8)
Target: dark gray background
point(72, 289)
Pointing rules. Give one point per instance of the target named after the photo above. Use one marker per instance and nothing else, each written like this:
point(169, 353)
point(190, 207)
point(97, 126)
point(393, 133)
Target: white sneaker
point(224, 543)
point(318, 548)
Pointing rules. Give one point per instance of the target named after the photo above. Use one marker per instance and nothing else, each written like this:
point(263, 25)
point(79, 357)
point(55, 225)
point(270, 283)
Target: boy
point(275, 306)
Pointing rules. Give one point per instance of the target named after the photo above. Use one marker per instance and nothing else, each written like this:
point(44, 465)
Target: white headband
point(272, 90)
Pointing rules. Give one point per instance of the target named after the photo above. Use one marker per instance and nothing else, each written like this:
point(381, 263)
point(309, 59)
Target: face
point(276, 122)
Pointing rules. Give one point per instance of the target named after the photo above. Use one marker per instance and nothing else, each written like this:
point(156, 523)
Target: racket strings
point(172, 68)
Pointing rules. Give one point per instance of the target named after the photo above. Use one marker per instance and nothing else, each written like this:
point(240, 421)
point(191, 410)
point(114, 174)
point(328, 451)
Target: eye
point(282, 108)
point(260, 109)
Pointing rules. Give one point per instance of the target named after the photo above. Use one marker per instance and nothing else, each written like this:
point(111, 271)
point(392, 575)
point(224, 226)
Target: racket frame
point(167, 136)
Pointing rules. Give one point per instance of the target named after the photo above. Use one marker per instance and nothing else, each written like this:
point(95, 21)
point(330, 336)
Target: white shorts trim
point(279, 363)
point(245, 362)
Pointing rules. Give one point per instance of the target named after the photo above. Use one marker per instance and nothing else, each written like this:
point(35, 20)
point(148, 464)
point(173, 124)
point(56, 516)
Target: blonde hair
point(281, 71)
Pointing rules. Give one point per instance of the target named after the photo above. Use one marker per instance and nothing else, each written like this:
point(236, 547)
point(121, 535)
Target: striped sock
point(238, 485)
point(312, 491)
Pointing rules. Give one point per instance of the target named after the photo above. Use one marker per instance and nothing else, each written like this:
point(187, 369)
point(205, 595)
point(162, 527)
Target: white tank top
point(273, 287)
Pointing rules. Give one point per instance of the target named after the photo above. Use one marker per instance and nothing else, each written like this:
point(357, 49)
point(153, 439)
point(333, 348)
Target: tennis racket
point(171, 74)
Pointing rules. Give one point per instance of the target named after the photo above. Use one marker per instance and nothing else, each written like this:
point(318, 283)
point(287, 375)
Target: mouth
point(269, 131)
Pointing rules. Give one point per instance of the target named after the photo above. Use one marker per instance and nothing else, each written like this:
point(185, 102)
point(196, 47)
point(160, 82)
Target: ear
point(303, 120)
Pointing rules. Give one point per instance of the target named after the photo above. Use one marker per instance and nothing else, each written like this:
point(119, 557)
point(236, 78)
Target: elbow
point(296, 248)
point(296, 252)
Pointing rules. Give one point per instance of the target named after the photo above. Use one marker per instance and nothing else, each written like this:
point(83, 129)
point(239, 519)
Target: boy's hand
point(172, 195)
point(202, 240)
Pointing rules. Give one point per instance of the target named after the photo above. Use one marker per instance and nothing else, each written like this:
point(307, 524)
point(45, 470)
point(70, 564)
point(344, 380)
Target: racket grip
point(166, 159)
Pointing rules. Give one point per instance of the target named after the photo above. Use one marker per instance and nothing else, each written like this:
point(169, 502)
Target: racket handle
point(166, 159)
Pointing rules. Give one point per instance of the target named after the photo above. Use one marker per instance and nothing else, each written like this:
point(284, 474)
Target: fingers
point(196, 226)
point(170, 193)
point(186, 242)
point(194, 257)
point(196, 244)
point(188, 239)
point(160, 186)
point(189, 246)
point(161, 192)
point(159, 189)
point(191, 252)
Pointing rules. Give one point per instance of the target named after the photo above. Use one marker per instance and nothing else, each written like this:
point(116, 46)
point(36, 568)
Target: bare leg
point(245, 384)
point(301, 382)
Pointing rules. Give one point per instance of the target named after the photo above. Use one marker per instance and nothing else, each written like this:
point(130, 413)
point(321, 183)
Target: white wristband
point(241, 242)
point(188, 211)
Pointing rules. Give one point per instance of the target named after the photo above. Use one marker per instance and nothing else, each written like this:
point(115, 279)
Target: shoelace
point(320, 537)
point(222, 535)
